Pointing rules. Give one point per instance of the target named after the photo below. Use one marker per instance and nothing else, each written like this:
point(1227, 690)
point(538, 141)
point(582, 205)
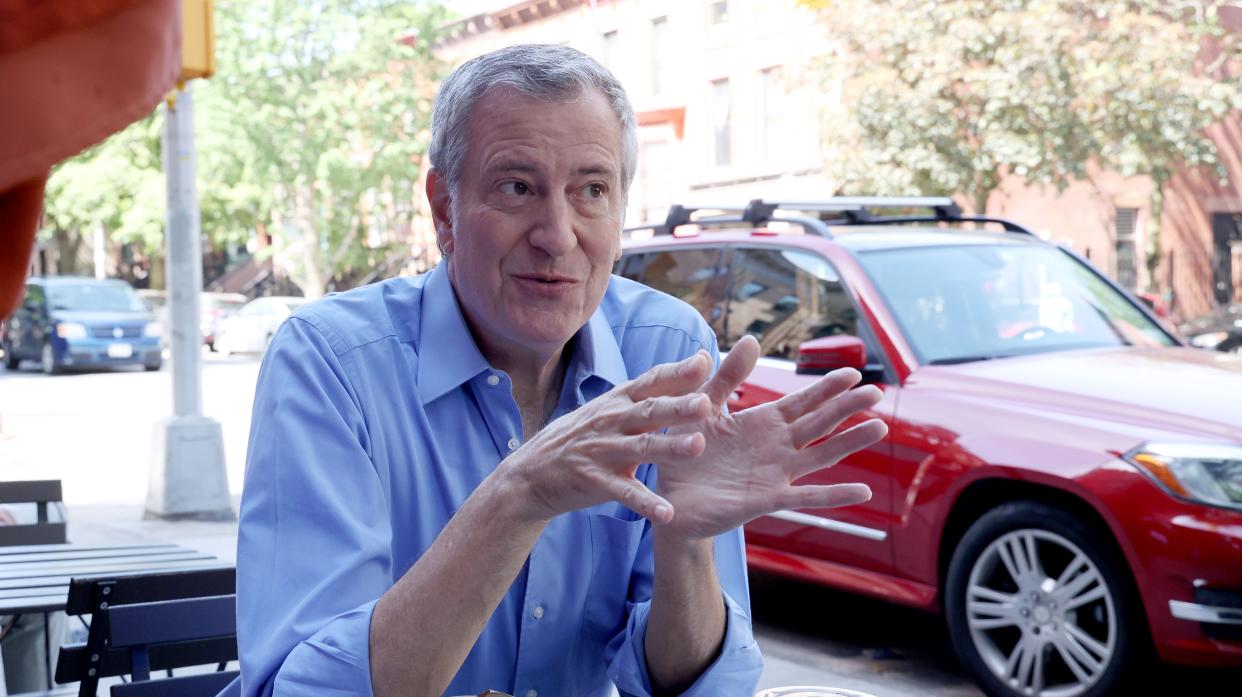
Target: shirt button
point(493, 380)
point(539, 612)
point(532, 693)
point(514, 443)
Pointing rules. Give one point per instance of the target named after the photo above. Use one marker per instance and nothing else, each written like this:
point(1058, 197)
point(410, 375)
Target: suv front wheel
point(48, 358)
point(1037, 603)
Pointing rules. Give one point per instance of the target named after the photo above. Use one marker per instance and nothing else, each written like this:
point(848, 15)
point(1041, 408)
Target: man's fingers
point(733, 370)
point(825, 419)
point(837, 448)
point(659, 447)
point(796, 404)
point(823, 496)
point(631, 493)
point(670, 378)
point(657, 413)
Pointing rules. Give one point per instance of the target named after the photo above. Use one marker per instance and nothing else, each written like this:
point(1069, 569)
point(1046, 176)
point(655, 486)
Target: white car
point(252, 328)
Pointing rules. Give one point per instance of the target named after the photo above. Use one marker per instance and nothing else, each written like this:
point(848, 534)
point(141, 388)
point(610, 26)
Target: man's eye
point(595, 190)
point(514, 188)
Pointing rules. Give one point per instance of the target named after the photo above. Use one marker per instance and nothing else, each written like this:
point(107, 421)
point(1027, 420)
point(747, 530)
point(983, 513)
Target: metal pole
point(188, 478)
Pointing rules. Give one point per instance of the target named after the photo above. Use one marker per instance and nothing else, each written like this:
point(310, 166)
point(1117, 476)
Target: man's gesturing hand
point(752, 458)
point(589, 456)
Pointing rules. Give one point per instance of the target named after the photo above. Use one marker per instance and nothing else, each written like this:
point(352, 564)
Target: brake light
point(764, 232)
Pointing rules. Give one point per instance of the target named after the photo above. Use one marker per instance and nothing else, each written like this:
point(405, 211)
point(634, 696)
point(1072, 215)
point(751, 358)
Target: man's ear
point(441, 209)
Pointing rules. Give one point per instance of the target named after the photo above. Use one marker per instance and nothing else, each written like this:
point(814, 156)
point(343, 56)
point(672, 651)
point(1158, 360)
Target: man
point(446, 489)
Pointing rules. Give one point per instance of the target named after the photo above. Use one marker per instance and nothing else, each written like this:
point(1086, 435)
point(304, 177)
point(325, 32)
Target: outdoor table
point(35, 578)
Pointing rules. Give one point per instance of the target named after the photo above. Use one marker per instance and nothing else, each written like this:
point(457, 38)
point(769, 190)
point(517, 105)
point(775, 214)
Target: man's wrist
point(515, 494)
point(666, 543)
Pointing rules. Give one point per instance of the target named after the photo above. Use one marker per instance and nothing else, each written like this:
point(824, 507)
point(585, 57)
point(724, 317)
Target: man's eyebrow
point(596, 169)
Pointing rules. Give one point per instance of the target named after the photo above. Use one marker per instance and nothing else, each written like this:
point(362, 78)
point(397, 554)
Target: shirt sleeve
point(737, 669)
point(314, 542)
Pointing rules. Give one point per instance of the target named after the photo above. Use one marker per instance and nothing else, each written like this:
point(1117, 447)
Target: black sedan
point(1220, 329)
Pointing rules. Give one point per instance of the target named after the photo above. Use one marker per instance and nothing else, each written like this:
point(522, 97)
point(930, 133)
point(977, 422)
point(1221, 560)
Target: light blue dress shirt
point(375, 417)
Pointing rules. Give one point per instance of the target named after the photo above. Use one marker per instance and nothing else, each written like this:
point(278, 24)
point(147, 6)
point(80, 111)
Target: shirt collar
point(449, 357)
point(447, 354)
point(596, 354)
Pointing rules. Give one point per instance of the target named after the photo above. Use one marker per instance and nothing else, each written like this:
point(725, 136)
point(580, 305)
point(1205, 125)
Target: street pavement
point(94, 432)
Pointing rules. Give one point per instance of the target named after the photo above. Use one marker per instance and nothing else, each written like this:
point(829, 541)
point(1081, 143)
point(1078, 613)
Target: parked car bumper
point(1189, 574)
point(89, 353)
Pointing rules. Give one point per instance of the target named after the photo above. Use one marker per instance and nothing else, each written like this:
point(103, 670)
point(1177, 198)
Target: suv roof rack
point(853, 210)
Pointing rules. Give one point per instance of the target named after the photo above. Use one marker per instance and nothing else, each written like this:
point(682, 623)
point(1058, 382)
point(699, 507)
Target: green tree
point(117, 185)
point(949, 96)
point(317, 117)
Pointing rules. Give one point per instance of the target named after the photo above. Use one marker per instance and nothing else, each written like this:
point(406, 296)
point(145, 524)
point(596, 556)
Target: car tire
point(47, 357)
point(1039, 602)
point(11, 361)
point(152, 367)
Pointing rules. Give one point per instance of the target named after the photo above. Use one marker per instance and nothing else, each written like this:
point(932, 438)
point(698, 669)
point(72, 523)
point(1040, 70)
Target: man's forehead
point(515, 132)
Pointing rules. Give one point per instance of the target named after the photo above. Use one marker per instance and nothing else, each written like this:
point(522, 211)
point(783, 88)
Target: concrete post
point(188, 479)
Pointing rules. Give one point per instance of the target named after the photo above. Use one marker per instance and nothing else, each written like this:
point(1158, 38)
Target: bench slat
point(6, 552)
point(33, 534)
point(70, 553)
point(204, 685)
point(73, 658)
point(36, 491)
point(147, 624)
point(153, 586)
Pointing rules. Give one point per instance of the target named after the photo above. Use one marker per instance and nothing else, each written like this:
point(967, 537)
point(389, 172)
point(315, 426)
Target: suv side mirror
point(825, 354)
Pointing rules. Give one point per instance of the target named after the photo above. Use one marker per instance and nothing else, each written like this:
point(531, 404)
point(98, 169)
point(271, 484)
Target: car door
point(785, 296)
point(30, 323)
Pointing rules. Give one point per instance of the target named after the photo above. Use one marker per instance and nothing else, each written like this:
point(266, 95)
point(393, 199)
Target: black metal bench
point(43, 531)
point(108, 597)
point(144, 627)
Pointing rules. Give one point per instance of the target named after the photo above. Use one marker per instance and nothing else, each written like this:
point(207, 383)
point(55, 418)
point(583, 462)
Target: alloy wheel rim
point(1040, 614)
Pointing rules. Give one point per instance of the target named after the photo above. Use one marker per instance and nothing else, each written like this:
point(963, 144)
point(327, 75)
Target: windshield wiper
point(965, 359)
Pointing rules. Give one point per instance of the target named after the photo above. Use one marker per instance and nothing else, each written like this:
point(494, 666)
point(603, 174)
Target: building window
point(659, 53)
point(720, 111)
point(1125, 222)
point(771, 110)
point(609, 53)
point(718, 11)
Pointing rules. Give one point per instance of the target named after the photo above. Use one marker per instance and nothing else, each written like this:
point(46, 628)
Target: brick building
point(728, 109)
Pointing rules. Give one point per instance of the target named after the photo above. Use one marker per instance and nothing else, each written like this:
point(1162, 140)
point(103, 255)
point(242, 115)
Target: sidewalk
point(118, 524)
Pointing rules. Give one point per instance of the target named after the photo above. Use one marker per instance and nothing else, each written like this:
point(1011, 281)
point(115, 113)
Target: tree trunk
point(68, 244)
point(155, 275)
point(311, 278)
point(1154, 251)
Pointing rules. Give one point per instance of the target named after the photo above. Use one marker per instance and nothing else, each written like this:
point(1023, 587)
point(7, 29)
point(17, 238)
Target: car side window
point(696, 276)
point(35, 298)
point(785, 297)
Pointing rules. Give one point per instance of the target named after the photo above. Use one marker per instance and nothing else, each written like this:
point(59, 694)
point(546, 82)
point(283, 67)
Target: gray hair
point(545, 72)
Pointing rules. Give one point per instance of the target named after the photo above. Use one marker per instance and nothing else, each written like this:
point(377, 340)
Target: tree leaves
point(946, 97)
point(312, 128)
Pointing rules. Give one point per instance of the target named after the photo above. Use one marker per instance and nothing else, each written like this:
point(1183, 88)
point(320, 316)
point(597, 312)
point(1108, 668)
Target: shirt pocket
point(614, 549)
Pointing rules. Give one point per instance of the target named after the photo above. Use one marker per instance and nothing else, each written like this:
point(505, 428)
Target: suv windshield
point(101, 297)
point(973, 302)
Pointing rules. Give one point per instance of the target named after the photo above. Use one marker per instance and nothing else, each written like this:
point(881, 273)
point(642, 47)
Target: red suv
point(1062, 476)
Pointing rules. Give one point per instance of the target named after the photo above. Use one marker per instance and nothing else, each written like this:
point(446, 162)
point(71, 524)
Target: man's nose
point(553, 230)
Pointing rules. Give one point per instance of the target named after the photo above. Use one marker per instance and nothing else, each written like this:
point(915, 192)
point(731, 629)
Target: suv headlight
point(71, 330)
point(1202, 472)
point(153, 329)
